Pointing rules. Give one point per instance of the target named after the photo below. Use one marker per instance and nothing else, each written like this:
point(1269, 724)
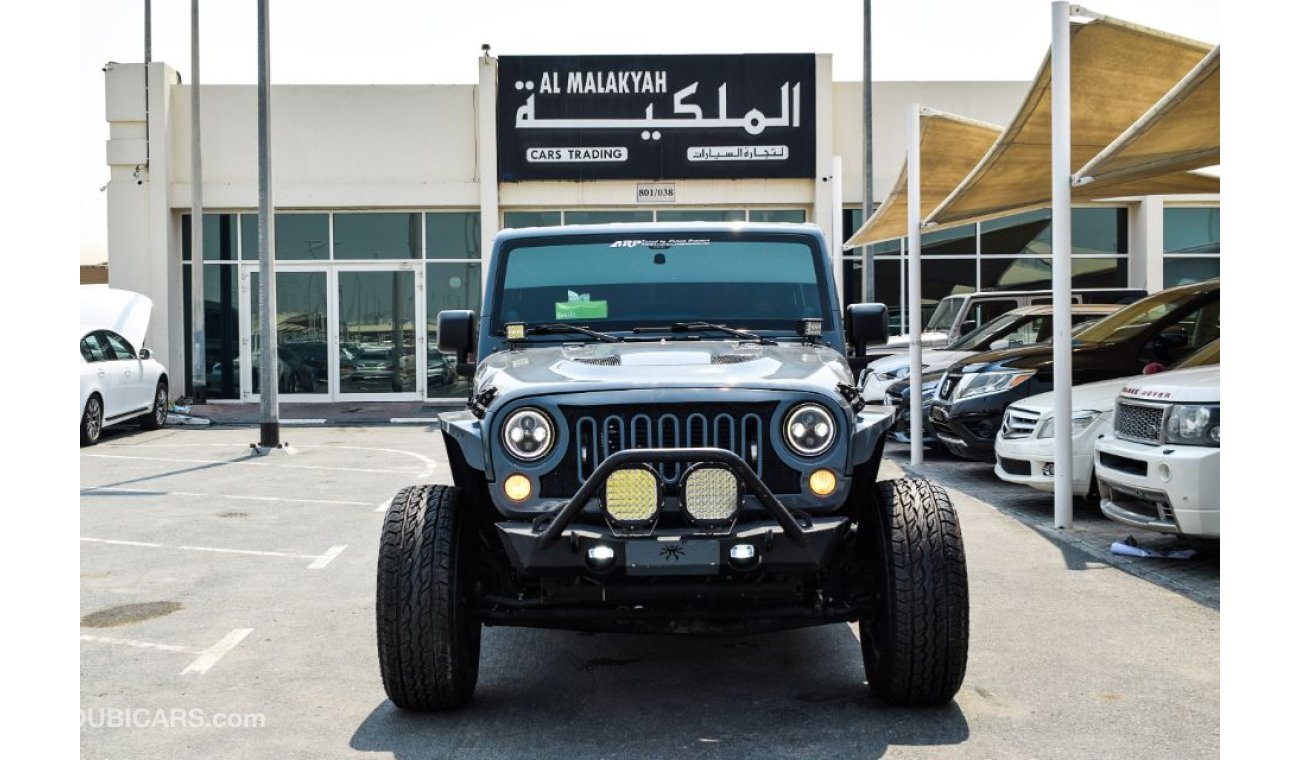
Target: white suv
point(1026, 446)
point(1159, 468)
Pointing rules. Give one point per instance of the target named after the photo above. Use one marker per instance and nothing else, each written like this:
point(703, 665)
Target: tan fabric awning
point(1118, 72)
point(950, 147)
point(1179, 133)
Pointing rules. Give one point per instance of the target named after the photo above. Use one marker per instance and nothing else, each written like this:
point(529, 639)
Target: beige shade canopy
point(1117, 72)
point(1145, 109)
point(950, 148)
point(1178, 133)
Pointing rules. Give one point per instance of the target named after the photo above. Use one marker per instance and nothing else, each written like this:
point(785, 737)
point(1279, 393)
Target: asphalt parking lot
point(228, 609)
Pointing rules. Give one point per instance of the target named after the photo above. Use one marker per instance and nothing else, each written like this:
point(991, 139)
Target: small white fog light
point(600, 557)
point(743, 556)
point(1049, 470)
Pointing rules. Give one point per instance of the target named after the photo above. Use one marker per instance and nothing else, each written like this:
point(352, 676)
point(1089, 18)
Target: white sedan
point(118, 382)
point(1026, 445)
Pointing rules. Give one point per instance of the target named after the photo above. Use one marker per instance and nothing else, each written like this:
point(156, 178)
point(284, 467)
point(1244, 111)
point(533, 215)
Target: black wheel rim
point(160, 404)
point(93, 424)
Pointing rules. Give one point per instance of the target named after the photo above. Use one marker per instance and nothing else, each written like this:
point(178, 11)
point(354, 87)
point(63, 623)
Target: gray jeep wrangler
point(663, 435)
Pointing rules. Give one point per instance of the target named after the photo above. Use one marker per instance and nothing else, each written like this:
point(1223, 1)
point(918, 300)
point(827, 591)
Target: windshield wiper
point(560, 327)
point(679, 327)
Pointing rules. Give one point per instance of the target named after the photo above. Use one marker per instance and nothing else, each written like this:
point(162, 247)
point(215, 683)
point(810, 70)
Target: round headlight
point(527, 434)
point(809, 430)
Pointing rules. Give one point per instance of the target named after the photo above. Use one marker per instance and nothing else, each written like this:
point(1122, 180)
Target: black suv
point(663, 435)
point(1158, 330)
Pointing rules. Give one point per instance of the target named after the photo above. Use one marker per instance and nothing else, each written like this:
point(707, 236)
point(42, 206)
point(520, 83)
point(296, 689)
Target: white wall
point(334, 146)
point(994, 102)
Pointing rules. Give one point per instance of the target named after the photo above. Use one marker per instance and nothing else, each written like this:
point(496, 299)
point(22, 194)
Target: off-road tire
point(428, 641)
point(157, 415)
point(914, 646)
point(92, 420)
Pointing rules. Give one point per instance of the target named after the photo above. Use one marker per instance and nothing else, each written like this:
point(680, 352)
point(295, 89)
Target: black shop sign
point(653, 117)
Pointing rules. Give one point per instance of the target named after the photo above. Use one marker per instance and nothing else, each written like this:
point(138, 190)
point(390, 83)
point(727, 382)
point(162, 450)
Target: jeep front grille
point(1019, 423)
point(1139, 422)
point(595, 432)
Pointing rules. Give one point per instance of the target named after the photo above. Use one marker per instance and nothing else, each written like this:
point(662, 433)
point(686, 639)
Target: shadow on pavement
point(567, 694)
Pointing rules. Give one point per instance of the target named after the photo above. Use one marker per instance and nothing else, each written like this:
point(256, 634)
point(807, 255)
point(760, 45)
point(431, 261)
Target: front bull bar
point(555, 529)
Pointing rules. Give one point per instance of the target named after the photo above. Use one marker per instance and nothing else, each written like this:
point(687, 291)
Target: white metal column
point(914, 275)
point(1062, 359)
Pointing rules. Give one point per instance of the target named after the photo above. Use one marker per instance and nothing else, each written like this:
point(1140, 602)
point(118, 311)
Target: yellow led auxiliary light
point(633, 496)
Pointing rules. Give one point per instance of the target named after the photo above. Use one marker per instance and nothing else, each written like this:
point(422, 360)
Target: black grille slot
point(1139, 422)
point(598, 431)
point(1124, 464)
point(1015, 466)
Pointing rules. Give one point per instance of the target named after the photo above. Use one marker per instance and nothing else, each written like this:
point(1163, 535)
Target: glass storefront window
point(700, 215)
point(958, 241)
point(888, 283)
point(1191, 230)
point(852, 275)
point(448, 285)
point(1035, 272)
point(220, 328)
point(454, 235)
point(1095, 230)
point(795, 215)
point(1180, 270)
point(519, 219)
point(298, 237)
point(606, 217)
point(218, 237)
point(375, 236)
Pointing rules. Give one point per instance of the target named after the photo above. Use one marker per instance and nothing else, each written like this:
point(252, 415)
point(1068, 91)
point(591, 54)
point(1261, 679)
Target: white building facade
point(388, 197)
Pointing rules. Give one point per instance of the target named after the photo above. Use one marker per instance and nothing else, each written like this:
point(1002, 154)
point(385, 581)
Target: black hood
point(568, 368)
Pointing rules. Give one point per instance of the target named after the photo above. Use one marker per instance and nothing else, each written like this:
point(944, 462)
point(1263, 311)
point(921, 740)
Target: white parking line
point(209, 657)
point(383, 506)
point(318, 561)
point(140, 644)
point(254, 464)
point(121, 543)
point(94, 490)
point(327, 557)
point(201, 664)
point(856, 633)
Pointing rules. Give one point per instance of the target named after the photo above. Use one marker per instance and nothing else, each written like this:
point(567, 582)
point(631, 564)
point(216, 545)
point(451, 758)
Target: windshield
point(944, 314)
point(619, 282)
point(979, 339)
point(1207, 356)
point(1137, 317)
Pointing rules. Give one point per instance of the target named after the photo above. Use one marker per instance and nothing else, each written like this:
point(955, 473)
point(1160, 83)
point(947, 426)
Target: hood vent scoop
point(732, 358)
point(600, 361)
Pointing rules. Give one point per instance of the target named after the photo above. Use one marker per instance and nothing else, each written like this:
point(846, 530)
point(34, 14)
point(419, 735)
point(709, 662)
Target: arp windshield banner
point(656, 117)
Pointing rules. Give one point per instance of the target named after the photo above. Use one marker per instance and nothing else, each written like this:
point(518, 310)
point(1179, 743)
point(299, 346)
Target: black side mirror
point(1173, 337)
point(967, 327)
point(145, 354)
point(457, 334)
point(866, 324)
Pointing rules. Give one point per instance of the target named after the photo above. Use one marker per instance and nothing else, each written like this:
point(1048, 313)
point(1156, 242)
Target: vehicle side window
point(121, 349)
point(986, 311)
point(93, 348)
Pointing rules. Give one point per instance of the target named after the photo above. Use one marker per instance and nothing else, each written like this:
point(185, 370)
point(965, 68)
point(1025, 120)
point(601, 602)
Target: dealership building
point(387, 199)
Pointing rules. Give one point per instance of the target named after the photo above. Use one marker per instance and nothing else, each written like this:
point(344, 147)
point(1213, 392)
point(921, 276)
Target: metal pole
point(198, 303)
point(270, 427)
point(1062, 364)
point(148, 59)
point(837, 224)
point(914, 274)
point(868, 168)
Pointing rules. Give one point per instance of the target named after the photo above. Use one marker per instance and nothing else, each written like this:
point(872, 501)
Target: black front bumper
point(673, 553)
point(969, 428)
